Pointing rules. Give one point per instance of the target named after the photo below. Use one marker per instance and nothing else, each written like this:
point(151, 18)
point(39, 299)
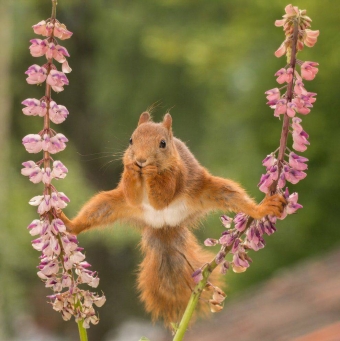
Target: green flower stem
point(82, 331)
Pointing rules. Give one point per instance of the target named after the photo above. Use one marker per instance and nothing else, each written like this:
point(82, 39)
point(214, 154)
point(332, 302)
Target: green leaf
point(143, 338)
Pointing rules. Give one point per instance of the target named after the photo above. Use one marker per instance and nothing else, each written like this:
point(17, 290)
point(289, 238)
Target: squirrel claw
point(273, 205)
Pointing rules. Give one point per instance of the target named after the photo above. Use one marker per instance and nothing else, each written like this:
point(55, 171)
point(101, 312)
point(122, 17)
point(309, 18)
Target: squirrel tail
point(165, 282)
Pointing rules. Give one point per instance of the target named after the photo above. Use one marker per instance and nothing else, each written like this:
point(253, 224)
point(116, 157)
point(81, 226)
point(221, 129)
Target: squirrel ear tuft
point(144, 117)
point(167, 121)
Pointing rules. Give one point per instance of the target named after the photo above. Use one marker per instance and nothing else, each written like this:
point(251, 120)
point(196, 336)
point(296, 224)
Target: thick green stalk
point(82, 331)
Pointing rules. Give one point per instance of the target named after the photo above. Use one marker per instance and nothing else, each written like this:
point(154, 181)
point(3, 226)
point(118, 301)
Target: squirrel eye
point(162, 144)
point(130, 140)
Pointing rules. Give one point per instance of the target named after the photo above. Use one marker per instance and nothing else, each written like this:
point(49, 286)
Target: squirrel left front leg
point(227, 195)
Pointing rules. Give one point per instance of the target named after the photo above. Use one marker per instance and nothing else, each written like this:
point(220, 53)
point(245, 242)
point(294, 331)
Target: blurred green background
point(210, 62)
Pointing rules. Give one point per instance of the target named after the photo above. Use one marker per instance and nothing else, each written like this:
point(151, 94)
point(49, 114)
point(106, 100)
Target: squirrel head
point(152, 143)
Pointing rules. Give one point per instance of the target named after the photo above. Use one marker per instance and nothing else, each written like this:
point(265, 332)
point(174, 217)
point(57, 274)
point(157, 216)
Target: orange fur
point(166, 191)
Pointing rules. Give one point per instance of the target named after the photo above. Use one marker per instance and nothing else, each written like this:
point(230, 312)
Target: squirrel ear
point(167, 121)
point(144, 117)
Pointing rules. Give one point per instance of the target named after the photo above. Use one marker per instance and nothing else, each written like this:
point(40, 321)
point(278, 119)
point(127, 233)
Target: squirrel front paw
point(65, 220)
point(150, 170)
point(271, 205)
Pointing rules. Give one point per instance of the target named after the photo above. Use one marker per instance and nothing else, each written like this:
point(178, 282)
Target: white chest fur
point(172, 215)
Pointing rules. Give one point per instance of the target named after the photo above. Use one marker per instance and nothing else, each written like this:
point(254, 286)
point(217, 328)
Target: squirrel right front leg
point(102, 209)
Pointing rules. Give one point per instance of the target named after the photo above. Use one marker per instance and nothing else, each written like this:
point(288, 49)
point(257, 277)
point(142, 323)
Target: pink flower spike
point(61, 32)
point(273, 94)
point(34, 107)
point(58, 113)
point(38, 47)
point(281, 50)
point(291, 107)
point(57, 80)
point(36, 74)
point(310, 37)
point(309, 70)
point(40, 28)
point(32, 143)
point(297, 162)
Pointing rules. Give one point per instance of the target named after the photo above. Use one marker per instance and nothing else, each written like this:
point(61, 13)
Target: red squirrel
point(165, 191)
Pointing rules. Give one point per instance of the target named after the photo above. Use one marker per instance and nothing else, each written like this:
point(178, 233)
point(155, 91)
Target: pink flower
point(46, 142)
point(32, 143)
point(309, 70)
point(280, 107)
point(301, 105)
point(226, 221)
point(227, 238)
point(36, 74)
point(33, 171)
point(273, 172)
point(57, 143)
point(60, 53)
point(65, 67)
point(240, 222)
point(58, 113)
point(291, 108)
point(273, 94)
point(299, 87)
point(297, 162)
point(292, 175)
point(40, 28)
point(265, 182)
point(59, 170)
point(46, 175)
point(38, 47)
point(291, 11)
point(300, 141)
point(61, 32)
point(281, 50)
point(197, 276)
point(310, 37)
point(280, 22)
point(297, 127)
point(284, 75)
point(269, 161)
point(292, 204)
point(34, 107)
point(35, 227)
point(57, 80)
point(59, 200)
point(282, 181)
point(210, 242)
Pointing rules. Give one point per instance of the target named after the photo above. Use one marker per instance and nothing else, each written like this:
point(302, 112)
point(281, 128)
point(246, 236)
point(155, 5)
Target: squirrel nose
point(140, 162)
